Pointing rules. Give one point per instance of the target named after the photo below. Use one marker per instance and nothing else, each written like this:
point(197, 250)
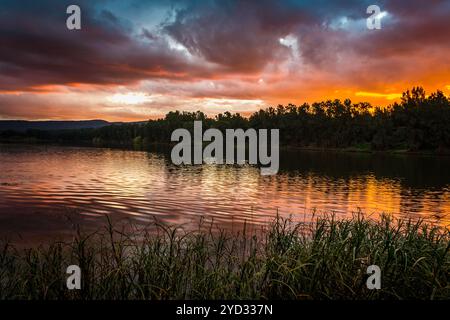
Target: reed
point(323, 259)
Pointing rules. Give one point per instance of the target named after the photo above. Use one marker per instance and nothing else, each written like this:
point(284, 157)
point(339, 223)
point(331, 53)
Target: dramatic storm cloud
point(134, 60)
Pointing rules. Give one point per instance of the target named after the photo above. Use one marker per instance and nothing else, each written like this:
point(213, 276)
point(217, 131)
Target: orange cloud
point(388, 96)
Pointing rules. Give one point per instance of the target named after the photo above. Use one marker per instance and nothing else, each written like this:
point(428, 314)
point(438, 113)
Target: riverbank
point(326, 259)
point(367, 149)
point(167, 146)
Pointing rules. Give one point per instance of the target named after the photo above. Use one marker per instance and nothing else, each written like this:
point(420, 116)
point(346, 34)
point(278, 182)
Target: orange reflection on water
point(92, 182)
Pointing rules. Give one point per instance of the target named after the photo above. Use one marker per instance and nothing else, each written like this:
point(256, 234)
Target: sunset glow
point(134, 61)
point(129, 98)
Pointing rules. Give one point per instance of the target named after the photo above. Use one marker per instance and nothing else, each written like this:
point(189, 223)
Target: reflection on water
point(36, 180)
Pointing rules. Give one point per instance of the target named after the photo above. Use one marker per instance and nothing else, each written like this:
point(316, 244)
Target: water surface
point(43, 189)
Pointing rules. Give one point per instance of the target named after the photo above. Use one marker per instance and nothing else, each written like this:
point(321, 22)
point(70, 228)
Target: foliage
point(417, 122)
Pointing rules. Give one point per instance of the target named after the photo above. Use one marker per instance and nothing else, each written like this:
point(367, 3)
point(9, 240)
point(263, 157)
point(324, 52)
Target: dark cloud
point(37, 49)
point(412, 31)
point(239, 35)
point(230, 42)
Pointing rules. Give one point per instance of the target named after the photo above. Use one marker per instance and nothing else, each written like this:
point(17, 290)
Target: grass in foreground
point(326, 259)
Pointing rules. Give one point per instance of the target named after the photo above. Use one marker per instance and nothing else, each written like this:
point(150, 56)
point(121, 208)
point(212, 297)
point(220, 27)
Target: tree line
point(417, 122)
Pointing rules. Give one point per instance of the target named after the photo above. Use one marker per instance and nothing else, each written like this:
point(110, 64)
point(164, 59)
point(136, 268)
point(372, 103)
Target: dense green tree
point(417, 122)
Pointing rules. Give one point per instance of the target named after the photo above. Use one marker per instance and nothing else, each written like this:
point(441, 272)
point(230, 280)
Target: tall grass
point(325, 259)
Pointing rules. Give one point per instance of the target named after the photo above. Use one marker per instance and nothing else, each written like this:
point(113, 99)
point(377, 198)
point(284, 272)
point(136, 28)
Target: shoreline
point(149, 146)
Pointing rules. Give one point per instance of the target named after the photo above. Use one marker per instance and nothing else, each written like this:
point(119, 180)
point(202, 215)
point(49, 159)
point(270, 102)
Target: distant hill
point(22, 125)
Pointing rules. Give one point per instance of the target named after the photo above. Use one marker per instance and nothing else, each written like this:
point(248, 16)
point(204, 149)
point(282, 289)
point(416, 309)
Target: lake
point(45, 190)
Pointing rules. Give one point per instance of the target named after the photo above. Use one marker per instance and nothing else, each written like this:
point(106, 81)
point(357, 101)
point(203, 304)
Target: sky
point(136, 60)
